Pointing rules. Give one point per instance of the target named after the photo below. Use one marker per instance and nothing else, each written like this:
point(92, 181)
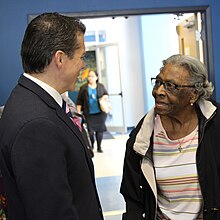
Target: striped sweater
point(179, 194)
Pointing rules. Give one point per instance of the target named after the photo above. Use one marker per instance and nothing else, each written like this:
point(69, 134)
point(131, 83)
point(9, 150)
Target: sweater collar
point(142, 141)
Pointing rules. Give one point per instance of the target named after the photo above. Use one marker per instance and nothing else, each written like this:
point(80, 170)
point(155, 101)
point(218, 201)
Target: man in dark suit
point(47, 172)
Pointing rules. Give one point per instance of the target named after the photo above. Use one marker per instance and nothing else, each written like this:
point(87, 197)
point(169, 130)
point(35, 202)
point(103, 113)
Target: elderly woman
point(172, 160)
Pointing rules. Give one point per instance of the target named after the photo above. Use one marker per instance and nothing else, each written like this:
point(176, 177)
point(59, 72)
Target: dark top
point(139, 197)
point(83, 97)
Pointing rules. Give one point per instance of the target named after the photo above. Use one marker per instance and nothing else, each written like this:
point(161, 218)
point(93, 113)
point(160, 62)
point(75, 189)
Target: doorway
point(125, 68)
point(135, 91)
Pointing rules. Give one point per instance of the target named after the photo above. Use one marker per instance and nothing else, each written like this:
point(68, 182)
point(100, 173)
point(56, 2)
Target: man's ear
point(59, 57)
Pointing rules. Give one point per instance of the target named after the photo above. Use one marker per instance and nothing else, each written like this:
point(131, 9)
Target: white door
point(108, 68)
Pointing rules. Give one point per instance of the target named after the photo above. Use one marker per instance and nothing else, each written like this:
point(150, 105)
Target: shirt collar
point(57, 97)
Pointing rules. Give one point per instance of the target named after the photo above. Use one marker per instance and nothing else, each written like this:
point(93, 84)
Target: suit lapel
point(67, 120)
point(49, 100)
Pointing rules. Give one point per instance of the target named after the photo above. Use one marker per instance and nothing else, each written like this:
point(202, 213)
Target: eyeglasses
point(168, 86)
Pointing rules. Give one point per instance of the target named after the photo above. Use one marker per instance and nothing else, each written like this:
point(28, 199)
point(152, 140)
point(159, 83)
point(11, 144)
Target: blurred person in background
point(88, 103)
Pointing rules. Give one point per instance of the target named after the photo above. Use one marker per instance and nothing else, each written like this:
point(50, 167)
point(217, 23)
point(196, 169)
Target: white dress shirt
point(56, 95)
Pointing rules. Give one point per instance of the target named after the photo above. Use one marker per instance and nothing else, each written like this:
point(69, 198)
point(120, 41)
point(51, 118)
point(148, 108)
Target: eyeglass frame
point(164, 83)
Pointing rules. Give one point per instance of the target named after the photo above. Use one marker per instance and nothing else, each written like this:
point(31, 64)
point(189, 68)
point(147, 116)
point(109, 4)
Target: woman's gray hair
point(197, 71)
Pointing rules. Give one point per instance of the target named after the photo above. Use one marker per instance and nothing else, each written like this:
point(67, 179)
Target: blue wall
point(14, 17)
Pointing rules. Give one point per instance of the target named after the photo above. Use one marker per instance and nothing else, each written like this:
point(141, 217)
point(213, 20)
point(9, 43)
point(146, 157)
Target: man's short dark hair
point(46, 34)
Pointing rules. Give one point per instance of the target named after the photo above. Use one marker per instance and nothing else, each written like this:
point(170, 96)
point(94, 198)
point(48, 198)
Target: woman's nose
point(160, 89)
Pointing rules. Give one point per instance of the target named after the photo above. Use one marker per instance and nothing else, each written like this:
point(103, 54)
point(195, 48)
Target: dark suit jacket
point(48, 174)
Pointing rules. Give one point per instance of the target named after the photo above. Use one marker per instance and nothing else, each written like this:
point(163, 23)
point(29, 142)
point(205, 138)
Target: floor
point(108, 171)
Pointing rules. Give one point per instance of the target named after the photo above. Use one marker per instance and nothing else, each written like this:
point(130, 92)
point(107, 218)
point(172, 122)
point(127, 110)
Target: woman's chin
point(161, 111)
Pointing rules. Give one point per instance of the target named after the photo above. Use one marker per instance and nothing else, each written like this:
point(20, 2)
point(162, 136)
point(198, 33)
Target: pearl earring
point(191, 103)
